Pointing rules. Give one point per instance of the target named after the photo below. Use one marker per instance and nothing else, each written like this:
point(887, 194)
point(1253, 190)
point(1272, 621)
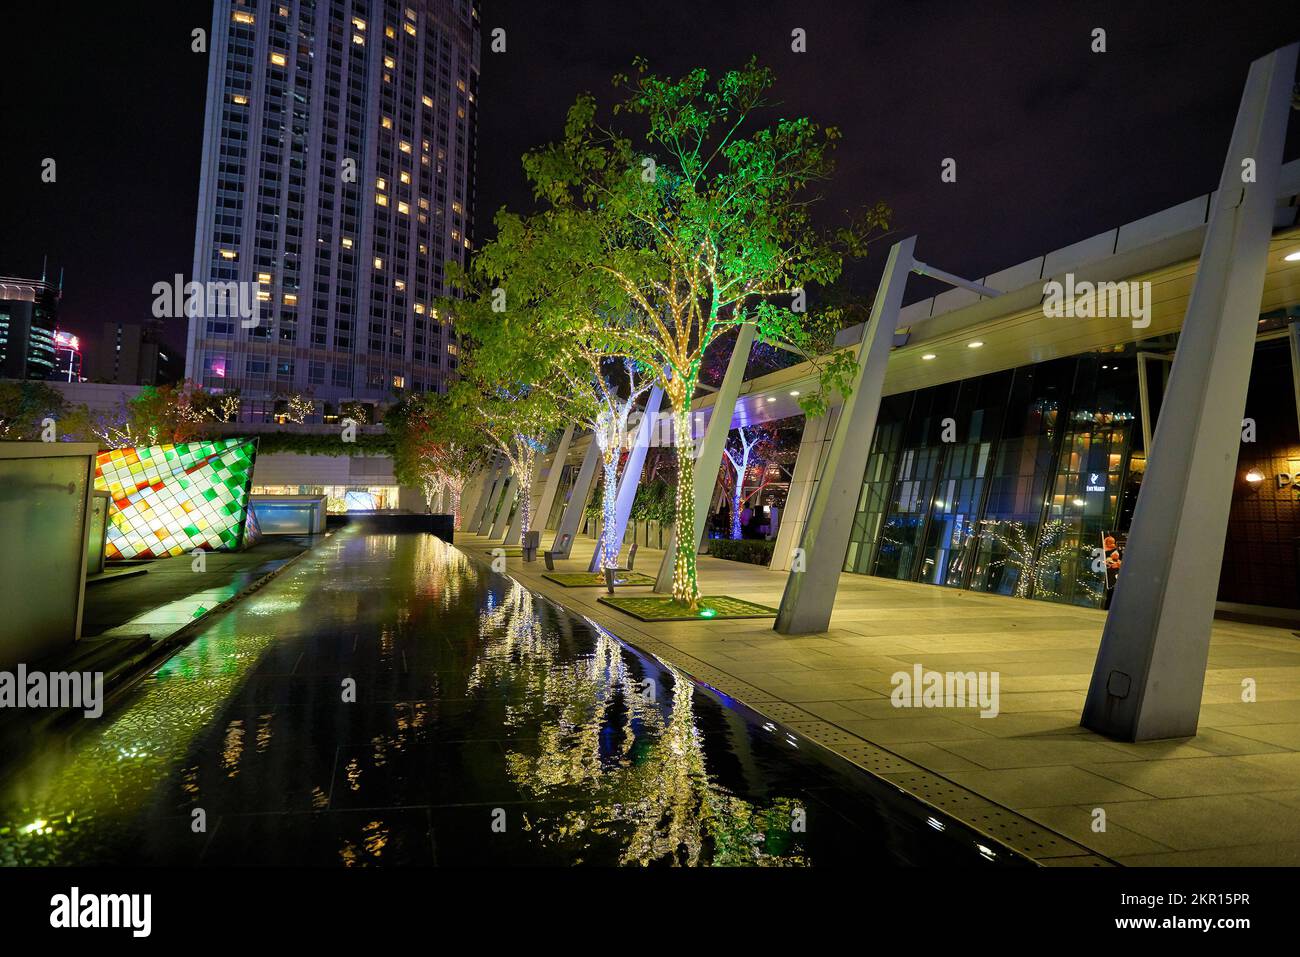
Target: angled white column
point(474, 519)
point(503, 514)
point(571, 519)
point(631, 478)
point(1150, 670)
point(813, 444)
point(553, 479)
point(810, 594)
point(708, 453)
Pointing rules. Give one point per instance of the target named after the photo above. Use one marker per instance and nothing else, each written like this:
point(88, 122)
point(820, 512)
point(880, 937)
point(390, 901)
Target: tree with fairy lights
point(528, 312)
point(434, 448)
point(748, 447)
point(689, 211)
point(518, 420)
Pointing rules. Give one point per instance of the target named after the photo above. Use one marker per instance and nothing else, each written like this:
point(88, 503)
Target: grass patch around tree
point(597, 579)
point(712, 608)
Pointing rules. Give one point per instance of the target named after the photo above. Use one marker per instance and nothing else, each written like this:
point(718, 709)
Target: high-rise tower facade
point(337, 176)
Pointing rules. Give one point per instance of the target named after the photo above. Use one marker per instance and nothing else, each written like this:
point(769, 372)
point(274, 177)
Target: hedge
point(754, 551)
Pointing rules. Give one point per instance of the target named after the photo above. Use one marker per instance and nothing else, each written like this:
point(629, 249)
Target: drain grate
point(874, 759)
point(940, 793)
point(1020, 833)
point(783, 711)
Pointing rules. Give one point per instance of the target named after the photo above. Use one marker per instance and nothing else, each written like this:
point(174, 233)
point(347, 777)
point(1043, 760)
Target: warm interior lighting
point(794, 392)
point(1292, 257)
point(928, 356)
point(1254, 475)
point(278, 59)
point(974, 345)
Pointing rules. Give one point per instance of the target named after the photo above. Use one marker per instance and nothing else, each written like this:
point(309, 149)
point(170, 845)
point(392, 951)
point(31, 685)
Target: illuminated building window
point(278, 59)
point(404, 208)
point(404, 146)
point(379, 263)
point(404, 176)
point(358, 39)
point(409, 28)
point(239, 99)
point(390, 32)
point(290, 299)
point(390, 63)
point(359, 24)
point(427, 101)
point(399, 382)
point(399, 285)
point(264, 277)
point(381, 183)
point(381, 199)
point(242, 16)
point(386, 122)
point(347, 242)
point(229, 254)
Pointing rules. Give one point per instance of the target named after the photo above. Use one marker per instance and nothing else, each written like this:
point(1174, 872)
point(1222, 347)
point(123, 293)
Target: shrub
point(752, 551)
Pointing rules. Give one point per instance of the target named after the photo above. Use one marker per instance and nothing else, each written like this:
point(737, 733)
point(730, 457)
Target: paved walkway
point(1230, 795)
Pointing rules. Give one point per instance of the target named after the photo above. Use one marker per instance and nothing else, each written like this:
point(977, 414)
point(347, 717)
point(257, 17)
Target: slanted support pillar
point(503, 513)
point(1150, 670)
point(810, 594)
point(491, 485)
point(571, 519)
point(817, 431)
point(631, 479)
point(553, 478)
point(708, 454)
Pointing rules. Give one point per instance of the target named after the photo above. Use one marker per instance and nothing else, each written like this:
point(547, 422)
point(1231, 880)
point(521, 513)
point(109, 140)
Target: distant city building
point(338, 175)
point(67, 357)
point(29, 311)
point(133, 354)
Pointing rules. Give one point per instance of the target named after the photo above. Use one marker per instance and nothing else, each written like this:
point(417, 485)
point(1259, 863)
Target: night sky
point(1053, 142)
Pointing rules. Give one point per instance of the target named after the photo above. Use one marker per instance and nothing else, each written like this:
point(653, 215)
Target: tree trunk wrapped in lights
point(686, 588)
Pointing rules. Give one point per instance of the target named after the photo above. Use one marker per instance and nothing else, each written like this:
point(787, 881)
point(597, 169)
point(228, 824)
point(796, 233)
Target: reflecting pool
point(388, 701)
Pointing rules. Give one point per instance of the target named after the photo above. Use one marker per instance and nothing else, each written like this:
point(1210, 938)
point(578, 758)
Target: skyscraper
point(338, 175)
point(29, 311)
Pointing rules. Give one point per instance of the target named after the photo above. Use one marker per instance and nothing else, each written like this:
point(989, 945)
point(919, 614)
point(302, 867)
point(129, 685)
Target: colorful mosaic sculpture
point(171, 499)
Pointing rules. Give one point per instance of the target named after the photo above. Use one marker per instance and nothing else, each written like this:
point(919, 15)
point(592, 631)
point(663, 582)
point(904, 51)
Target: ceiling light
point(928, 356)
point(1078, 502)
point(974, 345)
point(771, 398)
point(794, 391)
point(1292, 257)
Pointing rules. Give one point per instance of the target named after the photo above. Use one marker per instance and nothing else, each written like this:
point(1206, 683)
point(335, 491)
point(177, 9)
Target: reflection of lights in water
point(625, 739)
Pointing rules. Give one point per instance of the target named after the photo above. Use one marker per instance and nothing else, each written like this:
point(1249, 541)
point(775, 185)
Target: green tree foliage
point(686, 214)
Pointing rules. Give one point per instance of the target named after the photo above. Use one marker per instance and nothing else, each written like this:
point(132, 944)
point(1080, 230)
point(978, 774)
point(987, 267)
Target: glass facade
point(1007, 483)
